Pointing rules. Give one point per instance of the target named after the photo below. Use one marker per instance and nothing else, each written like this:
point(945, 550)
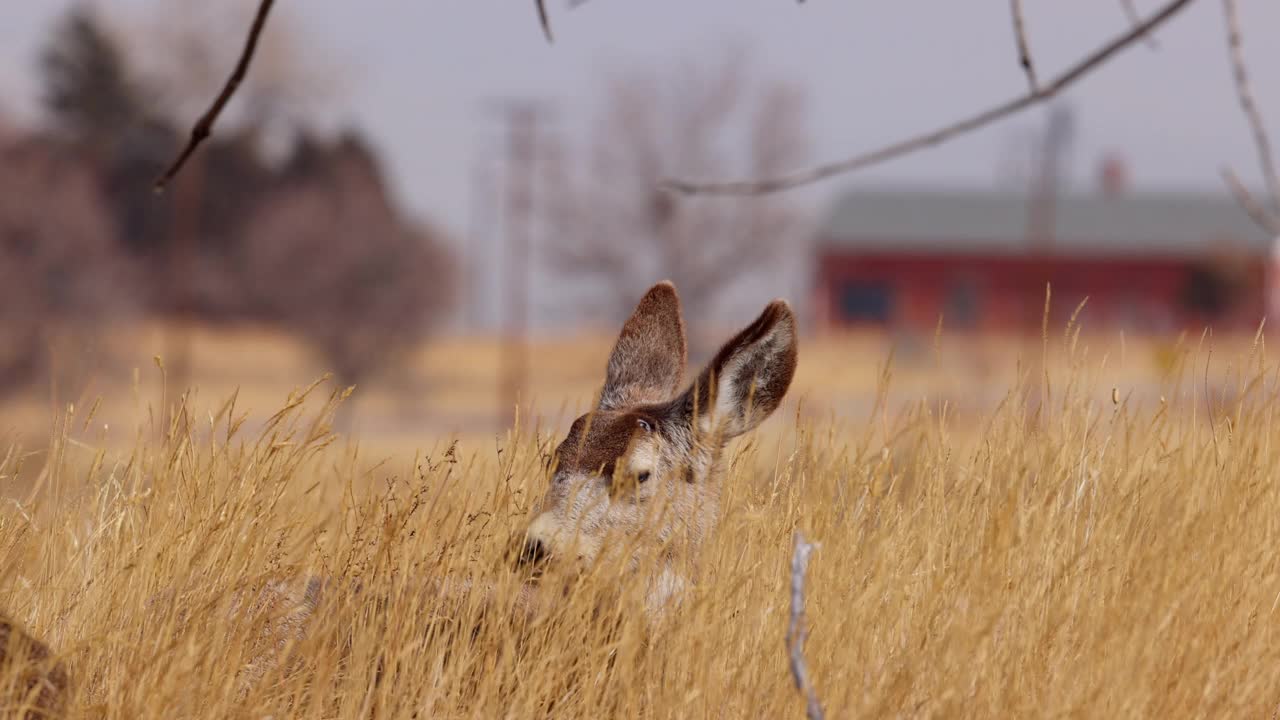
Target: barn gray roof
point(971, 220)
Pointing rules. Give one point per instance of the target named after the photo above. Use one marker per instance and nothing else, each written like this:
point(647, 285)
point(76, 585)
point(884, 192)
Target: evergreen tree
point(87, 89)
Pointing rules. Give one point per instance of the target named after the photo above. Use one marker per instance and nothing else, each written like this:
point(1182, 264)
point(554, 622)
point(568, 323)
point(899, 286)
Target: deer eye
point(642, 477)
point(644, 425)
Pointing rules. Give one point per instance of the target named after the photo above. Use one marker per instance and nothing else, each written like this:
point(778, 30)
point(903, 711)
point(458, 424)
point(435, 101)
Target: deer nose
point(533, 552)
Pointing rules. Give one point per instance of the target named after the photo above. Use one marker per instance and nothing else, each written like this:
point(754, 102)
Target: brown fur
point(647, 362)
point(595, 442)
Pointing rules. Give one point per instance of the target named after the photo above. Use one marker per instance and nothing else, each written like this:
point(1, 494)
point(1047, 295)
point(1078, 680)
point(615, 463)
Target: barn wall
point(975, 291)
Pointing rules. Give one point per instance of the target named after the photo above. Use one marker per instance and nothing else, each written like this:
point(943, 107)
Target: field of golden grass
point(1067, 527)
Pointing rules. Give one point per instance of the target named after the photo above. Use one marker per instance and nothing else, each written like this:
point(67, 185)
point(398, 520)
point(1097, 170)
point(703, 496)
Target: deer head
point(641, 472)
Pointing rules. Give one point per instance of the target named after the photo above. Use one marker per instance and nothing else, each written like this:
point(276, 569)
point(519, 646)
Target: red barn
point(981, 260)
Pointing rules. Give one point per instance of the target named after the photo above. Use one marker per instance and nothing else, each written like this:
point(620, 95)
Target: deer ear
point(748, 378)
point(647, 364)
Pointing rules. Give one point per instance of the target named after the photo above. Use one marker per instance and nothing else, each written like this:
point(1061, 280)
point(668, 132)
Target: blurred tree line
point(308, 241)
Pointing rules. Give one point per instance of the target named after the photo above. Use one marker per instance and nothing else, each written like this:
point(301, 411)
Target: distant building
point(981, 260)
point(1273, 280)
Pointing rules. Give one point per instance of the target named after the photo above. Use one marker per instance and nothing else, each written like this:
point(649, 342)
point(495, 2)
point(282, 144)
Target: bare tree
point(61, 279)
point(610, 221)
point(330, 259)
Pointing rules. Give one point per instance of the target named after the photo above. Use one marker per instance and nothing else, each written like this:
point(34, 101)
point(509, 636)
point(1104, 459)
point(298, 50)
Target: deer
point(640, 475)
point(34, 683)
point(635, 483)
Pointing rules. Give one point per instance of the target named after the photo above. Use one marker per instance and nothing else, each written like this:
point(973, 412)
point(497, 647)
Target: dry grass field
point(1091, 536)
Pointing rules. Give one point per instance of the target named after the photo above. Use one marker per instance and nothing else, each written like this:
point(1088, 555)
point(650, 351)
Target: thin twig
point(1024, 50)
point(1131, 12)
point(1266, 160)
point(797, 634)
point(204, 126)
point(542, 18)
point(888, 152)
point(1256, 211)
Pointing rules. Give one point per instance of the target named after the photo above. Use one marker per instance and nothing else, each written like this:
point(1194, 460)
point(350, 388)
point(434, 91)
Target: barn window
point(865, 302)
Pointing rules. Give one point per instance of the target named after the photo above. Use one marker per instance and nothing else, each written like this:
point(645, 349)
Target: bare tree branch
point(204, 126)
point(1131, 12)
point(1256, 211)
point(1266, 160)
point(935, 137)
point(1024, 50)
point(796, 634)
point(542, 18)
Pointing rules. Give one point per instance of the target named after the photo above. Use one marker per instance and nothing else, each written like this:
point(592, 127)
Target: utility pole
point(480, 226)
point(1058, 134)
point(521, 117)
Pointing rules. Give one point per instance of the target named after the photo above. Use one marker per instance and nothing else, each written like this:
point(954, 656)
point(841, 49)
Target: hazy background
point(414, 87)
point(412, 75)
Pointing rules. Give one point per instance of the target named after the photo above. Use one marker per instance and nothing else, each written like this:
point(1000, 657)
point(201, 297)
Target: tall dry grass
point(1077, 552)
